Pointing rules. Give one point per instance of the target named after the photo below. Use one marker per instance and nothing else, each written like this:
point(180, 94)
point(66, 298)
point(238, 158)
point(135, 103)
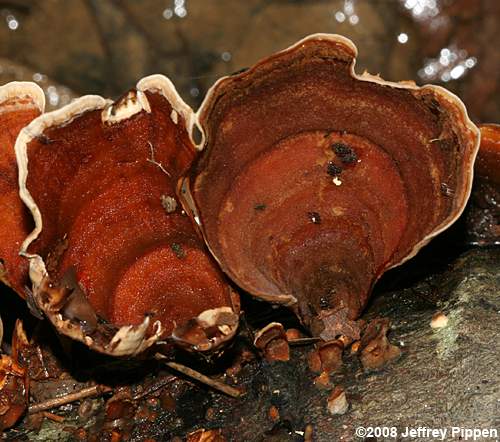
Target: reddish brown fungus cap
point(483, 216)
point(488, 159)
point(315, 180)
point(14, 380)
point(114, 260)
point(20, 102)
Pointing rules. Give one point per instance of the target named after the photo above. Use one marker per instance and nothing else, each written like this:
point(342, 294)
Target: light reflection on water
point(422, 9)
point(179, 9)
point(347, 13)
point(12, 22)
point(451, 64)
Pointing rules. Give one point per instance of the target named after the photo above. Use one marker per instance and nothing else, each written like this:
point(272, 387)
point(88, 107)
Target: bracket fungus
point(488, 160)
point(272, 342)
point(110, 266)
point(314, 180)
point(483, 218)
point(14, 379)
point(20, 102)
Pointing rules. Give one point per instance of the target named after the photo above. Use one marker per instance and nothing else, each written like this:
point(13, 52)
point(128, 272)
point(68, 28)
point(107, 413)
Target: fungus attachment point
point(114, 264)
point(302, 132)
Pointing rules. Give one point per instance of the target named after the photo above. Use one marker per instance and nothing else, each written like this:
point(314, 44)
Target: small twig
point(224, 388)
point(53, 417)
point(197, 376)
point(156, 386)
point(95, 390)
point(303, 341)
point(156, 163)
point(39, 353)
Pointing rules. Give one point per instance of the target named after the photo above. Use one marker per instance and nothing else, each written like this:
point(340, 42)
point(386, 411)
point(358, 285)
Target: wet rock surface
point(446, 377)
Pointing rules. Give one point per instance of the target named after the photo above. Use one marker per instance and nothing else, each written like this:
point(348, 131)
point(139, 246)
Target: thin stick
point(156, 386)
point(303, 341)
point(53, 417)
point(95, 390)
point(196, 375)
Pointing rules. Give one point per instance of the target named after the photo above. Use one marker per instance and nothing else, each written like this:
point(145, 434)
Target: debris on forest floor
point(439, 320)
point(272, 341)
point(337, 401)
point(375, 348)
point(121, 400)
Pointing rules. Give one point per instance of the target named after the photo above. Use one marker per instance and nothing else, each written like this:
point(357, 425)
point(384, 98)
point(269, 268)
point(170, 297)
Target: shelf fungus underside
point(314, 180)
point(115, 261)
point(19, 104)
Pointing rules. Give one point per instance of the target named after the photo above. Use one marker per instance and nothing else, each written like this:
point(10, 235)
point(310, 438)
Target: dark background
point(104, 46)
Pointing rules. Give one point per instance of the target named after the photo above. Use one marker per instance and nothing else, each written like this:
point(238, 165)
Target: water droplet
point(457, 72)
point(403, 38)
point(340, 16)
point(168, 14)
point(12, 22)
point(354, 19)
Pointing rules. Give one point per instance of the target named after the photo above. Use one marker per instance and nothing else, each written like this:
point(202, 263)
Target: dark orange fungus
point(487, 165)
point(116, 245)
point(314, 181)
point(19, 104)
point(14, 381)
point(483, 217)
